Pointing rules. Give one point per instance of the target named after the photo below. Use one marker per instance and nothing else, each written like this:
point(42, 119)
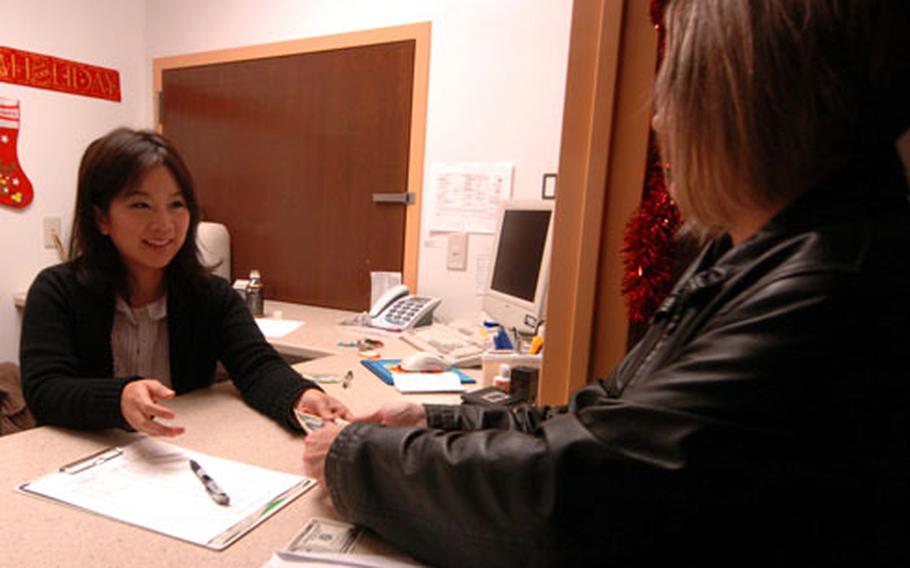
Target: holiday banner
point(56, 74)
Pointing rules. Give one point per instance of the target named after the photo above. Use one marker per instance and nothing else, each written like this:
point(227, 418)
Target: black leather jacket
point(764, 416)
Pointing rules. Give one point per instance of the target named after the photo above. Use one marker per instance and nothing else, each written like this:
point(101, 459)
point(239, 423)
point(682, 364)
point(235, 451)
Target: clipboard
point(149, 484)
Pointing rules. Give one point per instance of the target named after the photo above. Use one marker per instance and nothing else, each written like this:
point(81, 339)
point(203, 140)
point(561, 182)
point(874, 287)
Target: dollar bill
point(307, 421)
point(322, 377)
point(310, 422)
point(324, 535)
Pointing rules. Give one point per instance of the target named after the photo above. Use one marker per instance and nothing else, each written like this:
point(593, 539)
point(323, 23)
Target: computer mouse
point(424, 361)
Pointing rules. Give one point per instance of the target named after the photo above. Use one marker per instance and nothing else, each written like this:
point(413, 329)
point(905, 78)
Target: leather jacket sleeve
point(424, 484)
point(524, 418)
point(497, 496)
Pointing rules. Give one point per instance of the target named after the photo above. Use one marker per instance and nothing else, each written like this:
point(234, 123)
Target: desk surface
point(44, 533)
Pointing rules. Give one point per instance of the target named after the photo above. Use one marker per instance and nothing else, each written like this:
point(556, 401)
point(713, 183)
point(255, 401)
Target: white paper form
point(465, 197)
point(446, 381)
point(271, 327)
point(150, 484)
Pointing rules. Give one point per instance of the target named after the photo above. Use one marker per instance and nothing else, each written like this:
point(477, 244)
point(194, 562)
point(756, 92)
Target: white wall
point(497, 81)
point(56, 127)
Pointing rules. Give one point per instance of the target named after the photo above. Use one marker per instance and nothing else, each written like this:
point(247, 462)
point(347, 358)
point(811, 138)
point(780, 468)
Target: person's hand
point(139, 406)
point(316, 447)
point(322, 405)
point(396, 414)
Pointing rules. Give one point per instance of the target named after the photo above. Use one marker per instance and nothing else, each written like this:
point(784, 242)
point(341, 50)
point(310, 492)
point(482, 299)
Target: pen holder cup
point(491, 360)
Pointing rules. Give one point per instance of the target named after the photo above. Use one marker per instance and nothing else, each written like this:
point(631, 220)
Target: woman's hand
point(315, 449)
point(327, 407)
point(138, 404)
point(396, 414)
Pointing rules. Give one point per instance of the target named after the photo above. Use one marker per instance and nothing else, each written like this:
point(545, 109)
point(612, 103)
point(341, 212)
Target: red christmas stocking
point(15, 189)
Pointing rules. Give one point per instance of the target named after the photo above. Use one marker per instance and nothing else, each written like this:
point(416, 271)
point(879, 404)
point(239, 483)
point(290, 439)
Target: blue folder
point(380, 368)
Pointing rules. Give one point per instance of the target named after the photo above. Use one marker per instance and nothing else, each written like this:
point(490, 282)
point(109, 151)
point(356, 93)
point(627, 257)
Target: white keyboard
point(461, 346)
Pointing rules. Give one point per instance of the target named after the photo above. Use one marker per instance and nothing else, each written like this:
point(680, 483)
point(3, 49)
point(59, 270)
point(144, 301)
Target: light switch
point(51, 227)
point(457, 256)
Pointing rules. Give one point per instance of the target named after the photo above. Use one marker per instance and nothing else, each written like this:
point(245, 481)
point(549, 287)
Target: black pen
point(215, 492)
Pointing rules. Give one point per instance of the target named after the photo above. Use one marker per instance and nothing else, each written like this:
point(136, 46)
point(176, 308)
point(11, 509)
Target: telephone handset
point(398, 309)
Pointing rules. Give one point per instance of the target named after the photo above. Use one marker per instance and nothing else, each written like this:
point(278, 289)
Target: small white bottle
point(503, 380)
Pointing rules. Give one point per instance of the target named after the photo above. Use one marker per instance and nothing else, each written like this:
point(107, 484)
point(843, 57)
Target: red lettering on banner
point(47, 72)
point(40, 72)
point(83, 79)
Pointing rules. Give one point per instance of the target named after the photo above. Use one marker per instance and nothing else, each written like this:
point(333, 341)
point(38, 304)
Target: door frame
point(606, 120)
point(418, 32)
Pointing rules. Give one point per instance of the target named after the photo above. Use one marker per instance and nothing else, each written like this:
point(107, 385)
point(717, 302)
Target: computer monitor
point(517, 287)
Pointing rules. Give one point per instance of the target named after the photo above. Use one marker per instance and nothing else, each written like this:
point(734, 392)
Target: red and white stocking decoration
point(15, 189)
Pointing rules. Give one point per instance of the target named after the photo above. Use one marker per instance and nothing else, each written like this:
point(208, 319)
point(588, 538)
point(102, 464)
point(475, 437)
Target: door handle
point(406, 198)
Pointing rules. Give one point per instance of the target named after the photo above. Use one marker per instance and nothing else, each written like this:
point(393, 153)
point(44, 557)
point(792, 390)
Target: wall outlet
point(457, 256)
point(51, 225)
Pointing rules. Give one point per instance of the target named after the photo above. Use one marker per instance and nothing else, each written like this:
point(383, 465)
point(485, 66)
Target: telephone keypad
point(403, 311)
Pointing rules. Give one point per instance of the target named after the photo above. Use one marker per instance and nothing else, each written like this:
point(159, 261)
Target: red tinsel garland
point(648, 247)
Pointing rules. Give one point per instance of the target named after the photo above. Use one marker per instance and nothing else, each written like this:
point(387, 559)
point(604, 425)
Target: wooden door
point(288, 151)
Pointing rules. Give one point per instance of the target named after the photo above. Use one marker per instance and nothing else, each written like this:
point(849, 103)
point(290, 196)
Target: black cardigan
point(67, 363)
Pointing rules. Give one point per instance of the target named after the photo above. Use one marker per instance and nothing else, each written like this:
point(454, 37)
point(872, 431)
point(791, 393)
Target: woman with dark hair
point(134, 318)
point(764, 419)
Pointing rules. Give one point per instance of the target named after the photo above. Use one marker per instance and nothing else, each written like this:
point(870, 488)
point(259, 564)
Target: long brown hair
point(757, 100)
point(111, 165)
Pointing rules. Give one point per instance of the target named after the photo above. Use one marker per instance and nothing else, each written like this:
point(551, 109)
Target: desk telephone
point(398, 309)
